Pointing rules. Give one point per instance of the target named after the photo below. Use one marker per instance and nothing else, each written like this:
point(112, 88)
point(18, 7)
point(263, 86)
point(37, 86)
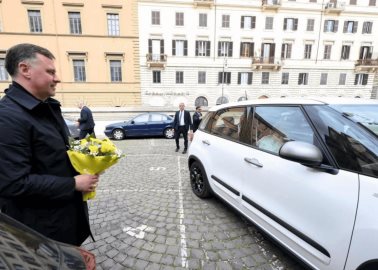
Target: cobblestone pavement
point(145, 216)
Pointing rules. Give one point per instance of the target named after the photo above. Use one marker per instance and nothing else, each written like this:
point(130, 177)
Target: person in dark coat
point(86, 123)
point(182, 123)
point(38, 185)
point(197, 117)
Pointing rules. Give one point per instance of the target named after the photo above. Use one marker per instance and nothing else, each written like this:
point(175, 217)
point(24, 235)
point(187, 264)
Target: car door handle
point(253, 161)
point(206, 142)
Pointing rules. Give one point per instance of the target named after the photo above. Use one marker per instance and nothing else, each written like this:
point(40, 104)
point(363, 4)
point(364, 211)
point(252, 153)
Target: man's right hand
point(86, 182)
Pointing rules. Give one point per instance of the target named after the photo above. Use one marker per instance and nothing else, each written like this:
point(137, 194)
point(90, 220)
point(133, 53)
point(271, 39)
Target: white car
point(304, 171)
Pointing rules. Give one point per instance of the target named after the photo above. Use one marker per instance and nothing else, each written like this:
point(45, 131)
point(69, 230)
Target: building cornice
point(112, 6)
point(67, 4)
point(32, 2)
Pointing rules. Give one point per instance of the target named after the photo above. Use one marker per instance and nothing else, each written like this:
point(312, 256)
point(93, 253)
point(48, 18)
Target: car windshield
point(353, 147)
point(367, 115)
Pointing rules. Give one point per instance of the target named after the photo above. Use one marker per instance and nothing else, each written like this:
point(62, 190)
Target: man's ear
point(24, 69)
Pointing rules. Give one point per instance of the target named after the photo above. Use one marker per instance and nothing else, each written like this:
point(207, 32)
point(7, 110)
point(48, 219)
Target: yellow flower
point(93, 149)
point(83, 142)
point(108, 147)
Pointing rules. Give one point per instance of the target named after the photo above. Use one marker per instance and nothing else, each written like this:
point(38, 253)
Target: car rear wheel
point(118, 134)
point(169, 133)
point(198, 181)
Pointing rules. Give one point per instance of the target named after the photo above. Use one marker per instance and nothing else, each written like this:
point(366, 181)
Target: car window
point(353, 147)
point(157, 118)
point(274, 125)
point(227, 122)
point(141, 118)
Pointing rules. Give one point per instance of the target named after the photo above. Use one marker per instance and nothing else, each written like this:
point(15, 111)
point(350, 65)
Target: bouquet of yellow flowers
point(92, 156)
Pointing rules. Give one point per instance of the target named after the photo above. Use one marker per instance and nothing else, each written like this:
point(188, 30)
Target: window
point(367, 27)
point(366, 52)
point(323, 78)
point(155, 17)
point(345, 50)
point(141, 118)
point(115, 70)
point(307, 51)
point(226, 21)
point(371, 2)
point(269, 23)
point(35, 21)
point(285, 78)
point(361, 79)
point(248, 22)
point(156, 50)
point(245, 78)
point(179, 19)
point(202, 20)
point(331, 26)
point(310, 25)
point(342, 78)
point(327, 51)
point(352, 2)
point(350, 27)
point(113, 24)
point(201, 101)
point(303, 79)
point(246, 49)
point(221, 100)
point(75, 22)
point(225, 48)
point(224, 77)
point(201, 77)
point(265, 78)
point(286, 51)
point(156, 76)
point(179, 77)
point(290, 24)
point(3, 71)
point(229, 123)
point(79, 70)
point(202, 48)
point(180, 47)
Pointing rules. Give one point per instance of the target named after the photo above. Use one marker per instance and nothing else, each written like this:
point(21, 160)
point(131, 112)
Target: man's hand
point(86, 182)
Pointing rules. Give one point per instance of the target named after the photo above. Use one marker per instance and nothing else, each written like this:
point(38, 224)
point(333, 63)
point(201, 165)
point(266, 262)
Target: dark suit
point(182, 129)
point(86, 123)
point(196, 120)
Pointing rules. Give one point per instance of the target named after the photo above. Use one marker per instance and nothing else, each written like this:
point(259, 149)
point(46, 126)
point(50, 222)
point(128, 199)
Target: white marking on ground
point(137, 232)
point(183, 249)
point(158, 168)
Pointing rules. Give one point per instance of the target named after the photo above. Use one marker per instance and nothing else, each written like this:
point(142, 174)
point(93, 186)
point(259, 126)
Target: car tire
point(198, 181)
point(118, 134)
point(169, 133)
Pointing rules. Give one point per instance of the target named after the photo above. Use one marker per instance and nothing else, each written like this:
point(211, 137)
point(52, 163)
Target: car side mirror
point(132, 122)
point(302, 152)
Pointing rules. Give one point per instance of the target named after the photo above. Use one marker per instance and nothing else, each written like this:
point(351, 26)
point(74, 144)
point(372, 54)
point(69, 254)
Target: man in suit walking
point(197, 117)
point(85, 122)
point(182, 124)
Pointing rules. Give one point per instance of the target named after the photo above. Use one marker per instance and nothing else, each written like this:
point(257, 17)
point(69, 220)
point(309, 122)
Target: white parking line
point(183, 250)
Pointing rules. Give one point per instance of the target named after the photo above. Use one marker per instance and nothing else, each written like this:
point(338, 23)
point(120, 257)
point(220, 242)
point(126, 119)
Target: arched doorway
point(201, 101)
point(222, 100)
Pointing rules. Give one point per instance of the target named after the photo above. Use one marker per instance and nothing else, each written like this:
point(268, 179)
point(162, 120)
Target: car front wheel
point(169, 133)
point(198, 181)
point(118, 134)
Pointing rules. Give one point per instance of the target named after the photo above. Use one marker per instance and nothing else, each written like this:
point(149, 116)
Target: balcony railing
point(203, 3)
point(156, 60)
point(334, 7)
point(367, 65)
point(270, 4)
point(266, 63)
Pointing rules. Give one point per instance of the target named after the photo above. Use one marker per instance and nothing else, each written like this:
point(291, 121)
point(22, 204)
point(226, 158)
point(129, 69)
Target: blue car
point(142, 125)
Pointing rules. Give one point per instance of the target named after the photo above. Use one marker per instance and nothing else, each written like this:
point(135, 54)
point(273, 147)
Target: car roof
point(297, 101)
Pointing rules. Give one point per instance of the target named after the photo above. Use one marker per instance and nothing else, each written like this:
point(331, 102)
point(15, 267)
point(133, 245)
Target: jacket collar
point(17, 93)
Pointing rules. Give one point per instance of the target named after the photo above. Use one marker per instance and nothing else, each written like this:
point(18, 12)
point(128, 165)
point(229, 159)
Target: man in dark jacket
point(86, 123)
point(197, 117)
point(38, 185)
point(182, 123)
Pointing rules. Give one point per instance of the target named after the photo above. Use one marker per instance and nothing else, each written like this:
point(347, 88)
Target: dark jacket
point(86, 119)
point(187, 120)
point(196, 120)
point(37, 185)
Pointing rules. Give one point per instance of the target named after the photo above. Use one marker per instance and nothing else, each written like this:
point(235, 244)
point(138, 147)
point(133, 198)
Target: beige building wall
point(93, 45)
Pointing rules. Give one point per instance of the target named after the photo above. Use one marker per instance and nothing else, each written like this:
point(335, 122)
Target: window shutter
point(249, 77)
point(370, 52)
point(207, 48)
point(220, 74)
point(325, 26)
point(370, 28)
point(336, 26)
point(197, 47)
point(162, 46)
point(173, 47)
point(355, 25)
point(283, 51)
point(228, 76)
point(361, 53)
point(149, 45)
point(289, 51)
point(365, 79)
point(230, 49)
point(241, 48)
point(219, 48)
point(185, 48)
point(239, 77)
point(356, 79)
point(295, 24)
point(252, 48)
point(272, 49)
point(253, 24)
point(345, 27)
point(262, 50)
point(242, 22)
point(285, 24)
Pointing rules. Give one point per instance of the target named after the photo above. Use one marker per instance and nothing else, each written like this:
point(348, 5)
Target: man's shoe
point(184, 152)
point(177, 149)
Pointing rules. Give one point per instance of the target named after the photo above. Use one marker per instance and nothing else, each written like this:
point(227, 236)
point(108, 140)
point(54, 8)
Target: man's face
point(43, 78)
point(199, 109)
point(181, 106)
